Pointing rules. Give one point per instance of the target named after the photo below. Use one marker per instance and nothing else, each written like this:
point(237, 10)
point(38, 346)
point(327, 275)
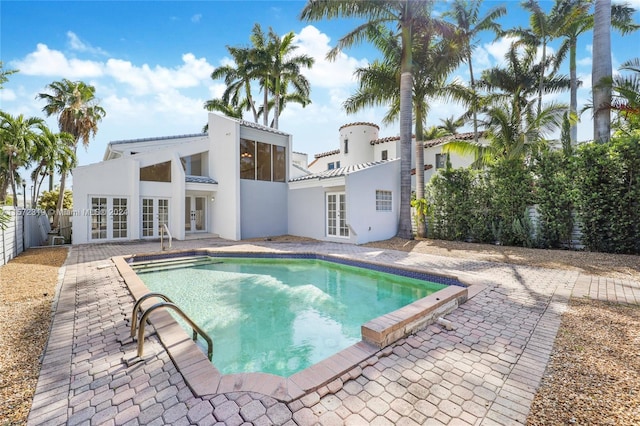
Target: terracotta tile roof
point(432, 142)
point(359, 123)
point(426, 167)
point(326, 154)
point(342, 171)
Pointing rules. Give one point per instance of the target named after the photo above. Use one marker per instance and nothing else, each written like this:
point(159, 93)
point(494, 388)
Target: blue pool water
point(281, 316)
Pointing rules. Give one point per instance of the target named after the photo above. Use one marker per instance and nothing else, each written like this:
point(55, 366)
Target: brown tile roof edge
point(359, 123)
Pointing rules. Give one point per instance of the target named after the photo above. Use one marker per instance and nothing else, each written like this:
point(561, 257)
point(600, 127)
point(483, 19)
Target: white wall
point(263, 207)
point(360, 149)
point(306, 210)
point(118, 178)
point(367, 223)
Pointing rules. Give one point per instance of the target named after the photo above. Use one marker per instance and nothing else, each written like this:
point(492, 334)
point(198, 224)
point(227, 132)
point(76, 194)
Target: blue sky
point(151, 61)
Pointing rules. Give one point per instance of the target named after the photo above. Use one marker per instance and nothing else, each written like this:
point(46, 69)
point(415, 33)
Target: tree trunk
point(406, 109)
point(276, 106)
point(421, 223)
point(56, 214)
point(265, 108)
point(601, 69)
point(573, 106)
point(474, 101)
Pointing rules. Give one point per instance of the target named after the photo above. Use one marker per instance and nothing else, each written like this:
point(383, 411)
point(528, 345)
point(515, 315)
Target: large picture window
point(262, 161)
point(156, 173)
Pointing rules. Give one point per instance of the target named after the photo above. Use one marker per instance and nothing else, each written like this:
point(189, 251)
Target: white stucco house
point(242, 180)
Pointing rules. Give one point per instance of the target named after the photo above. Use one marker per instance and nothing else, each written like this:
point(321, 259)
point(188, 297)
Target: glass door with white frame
point(195, 209)
point(337, 215)
point(109, 218)
point(154, 214)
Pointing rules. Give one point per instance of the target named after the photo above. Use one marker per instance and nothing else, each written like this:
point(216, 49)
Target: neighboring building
point(359, 143)
point(242, 180)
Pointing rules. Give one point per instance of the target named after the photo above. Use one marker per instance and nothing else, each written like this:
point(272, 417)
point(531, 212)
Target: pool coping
point(203, 378)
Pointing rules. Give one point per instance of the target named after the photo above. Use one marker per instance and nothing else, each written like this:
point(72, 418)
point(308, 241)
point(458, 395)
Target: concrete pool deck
point(484, 371)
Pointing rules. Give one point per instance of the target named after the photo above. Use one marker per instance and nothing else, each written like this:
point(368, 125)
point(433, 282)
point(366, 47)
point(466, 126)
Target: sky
point(151, 62)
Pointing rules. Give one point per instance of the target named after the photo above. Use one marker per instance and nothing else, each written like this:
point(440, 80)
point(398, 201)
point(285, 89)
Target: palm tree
point(466, 16)
point(520, 78)
point(626, 96)
point(601, 71)
point(433, 60)
point(407, 16)
point(542, 30)
point(452, 124)
point(577, 21)
point(237, 96)
point(54, 151)
point(271, 62)
point(78, 114)
point(285, 69)
point(3, 75)
point(18, 135)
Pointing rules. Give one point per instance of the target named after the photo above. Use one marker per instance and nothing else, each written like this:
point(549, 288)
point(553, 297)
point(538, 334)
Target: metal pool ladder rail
point(165, 303)
point(164, 228)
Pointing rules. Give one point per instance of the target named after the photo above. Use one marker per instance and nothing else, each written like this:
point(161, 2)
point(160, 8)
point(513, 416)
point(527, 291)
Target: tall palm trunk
point(421, 224)
point(406, 108)
point(601, 69)
point(474, 100)
point(573, 104)
point(56, 215)
point(276, 104)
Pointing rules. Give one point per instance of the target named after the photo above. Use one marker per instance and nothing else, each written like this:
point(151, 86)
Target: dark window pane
point(279, 164)
point(264, 161)
point(247, 159)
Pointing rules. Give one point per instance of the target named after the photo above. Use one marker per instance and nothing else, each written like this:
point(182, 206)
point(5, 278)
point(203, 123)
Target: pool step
point(171, 263)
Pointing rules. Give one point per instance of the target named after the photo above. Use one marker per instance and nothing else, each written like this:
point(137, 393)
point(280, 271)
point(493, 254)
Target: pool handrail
point(165, 303)
point(164, 228)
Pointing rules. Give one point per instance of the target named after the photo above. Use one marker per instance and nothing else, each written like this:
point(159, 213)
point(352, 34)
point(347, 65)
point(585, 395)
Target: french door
point(109, 218)
point(195, 209)
point(337, 215)
point(154, 214)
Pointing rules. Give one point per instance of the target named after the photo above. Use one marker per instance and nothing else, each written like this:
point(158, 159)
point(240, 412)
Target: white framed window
point(384, 201)
point(331, 166)
point(441, 161)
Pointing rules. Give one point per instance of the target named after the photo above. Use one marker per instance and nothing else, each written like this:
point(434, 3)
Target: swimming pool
point(279, 314)
point(202, 376)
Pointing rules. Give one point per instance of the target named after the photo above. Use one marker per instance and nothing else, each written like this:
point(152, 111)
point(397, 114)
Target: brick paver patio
point(484, 371)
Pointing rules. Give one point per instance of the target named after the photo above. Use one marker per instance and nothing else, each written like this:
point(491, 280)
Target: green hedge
point(600, 183)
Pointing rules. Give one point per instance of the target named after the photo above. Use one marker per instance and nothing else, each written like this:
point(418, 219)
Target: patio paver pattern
point(484, 371)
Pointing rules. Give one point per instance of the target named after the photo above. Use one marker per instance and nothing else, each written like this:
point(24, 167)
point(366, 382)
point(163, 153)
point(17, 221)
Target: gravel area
point(27, 289)
point(593, 377)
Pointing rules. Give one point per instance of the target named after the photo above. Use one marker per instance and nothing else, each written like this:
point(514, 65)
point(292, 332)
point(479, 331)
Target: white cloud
point(47, 62)
point(480, 58)
point(324, 73)
point(144, 79)
point(196, 18)
point(499, 48)
point(76, 44)
point(585, 62)
point(7, 95)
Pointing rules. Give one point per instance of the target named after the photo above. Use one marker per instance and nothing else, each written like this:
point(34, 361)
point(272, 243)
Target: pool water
point(281, 316)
